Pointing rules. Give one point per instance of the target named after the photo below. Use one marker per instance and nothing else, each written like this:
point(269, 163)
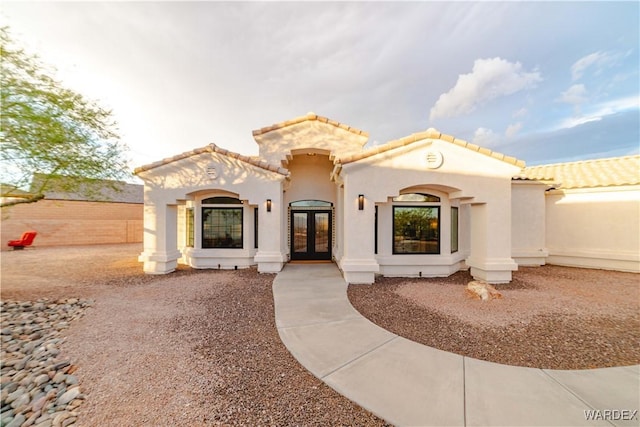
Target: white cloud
point(575, 95)
point(490, 78)
point(520, 113)
point(513, 129)
point(602, 110)
point(599, 60)
point(485, 137)
point(577, 69)
point(576, 121)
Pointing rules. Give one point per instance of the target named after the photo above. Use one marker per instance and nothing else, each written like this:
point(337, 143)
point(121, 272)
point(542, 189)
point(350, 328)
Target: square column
point(160, 255)
point(490, 258)
point(358, 263)
point(270, 256)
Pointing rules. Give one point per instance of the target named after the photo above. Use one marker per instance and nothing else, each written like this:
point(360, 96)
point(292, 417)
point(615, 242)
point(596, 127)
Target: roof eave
point(430, 134)
point(213, 148)
point(308, 117)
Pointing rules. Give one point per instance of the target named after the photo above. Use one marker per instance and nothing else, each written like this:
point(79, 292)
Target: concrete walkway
point(409, 384)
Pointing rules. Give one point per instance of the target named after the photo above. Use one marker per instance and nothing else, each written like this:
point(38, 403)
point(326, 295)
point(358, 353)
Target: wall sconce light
point(268, 205)
point(361, 202)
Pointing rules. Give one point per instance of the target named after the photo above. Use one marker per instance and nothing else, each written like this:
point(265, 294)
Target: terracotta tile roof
point(589, 173)
point(429, 134)
point(308, 117)
point(212, 148)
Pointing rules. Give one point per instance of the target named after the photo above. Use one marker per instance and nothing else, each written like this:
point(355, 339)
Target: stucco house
point(425, 205)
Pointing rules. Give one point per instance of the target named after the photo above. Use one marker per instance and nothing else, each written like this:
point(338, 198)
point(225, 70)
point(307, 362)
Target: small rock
point(22, 363)
point(482, 290)
point(68, 396)
point(61, 365)
point(17, 421)
point(20, 401)
point(15, 395)
point(32, 419)
point(60, 417)
point(58, 377)
point(11, 387)
point(41, 379)
point(39, 402)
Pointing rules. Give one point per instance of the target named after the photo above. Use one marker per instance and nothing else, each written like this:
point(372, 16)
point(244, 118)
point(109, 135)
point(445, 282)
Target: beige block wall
point(65, 222)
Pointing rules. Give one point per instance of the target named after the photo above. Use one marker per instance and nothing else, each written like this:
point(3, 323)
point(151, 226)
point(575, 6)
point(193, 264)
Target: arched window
point(221, 200)
point(417, 197)
point(310, 204)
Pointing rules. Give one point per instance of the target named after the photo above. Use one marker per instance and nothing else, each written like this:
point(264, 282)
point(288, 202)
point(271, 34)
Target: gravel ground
point(192, 348)
point(201, 348)
point(549, 317)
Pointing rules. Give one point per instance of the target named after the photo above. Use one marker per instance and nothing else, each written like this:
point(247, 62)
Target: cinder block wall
point(66, 222)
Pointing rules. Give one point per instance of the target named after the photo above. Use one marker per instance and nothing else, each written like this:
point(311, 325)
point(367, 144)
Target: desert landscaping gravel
point(200, 347)
point(548, 317)
point(37, 387)
point(194, 348)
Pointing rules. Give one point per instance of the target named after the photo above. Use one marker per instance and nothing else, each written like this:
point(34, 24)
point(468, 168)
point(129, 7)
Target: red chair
point(25, 240)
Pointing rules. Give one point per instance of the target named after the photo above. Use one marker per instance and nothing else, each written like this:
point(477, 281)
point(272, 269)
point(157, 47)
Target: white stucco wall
point(420, 265)
point(275, 146)
point(464, 178)
point(594, 228)
point(528, 223)
point(170, 186)
point(310, 179)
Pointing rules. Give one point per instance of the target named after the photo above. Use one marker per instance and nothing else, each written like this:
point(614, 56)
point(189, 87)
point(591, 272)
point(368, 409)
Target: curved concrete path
point(409, 384)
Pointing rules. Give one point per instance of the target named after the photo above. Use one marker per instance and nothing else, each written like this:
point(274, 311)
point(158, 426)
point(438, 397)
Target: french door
point(311, 235)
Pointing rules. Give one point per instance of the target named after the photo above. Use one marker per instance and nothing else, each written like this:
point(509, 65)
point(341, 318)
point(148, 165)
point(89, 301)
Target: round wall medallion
point(434, 159)
point(212, 171)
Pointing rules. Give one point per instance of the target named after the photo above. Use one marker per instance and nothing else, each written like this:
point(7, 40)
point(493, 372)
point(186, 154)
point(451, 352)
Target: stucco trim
point(212, 148)
point(429, 134)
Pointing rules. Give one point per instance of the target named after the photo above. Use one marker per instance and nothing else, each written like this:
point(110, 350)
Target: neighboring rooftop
point(8, 190)
point(429, 134)
point(308, 117)
point(609, 172)
point(96, 190)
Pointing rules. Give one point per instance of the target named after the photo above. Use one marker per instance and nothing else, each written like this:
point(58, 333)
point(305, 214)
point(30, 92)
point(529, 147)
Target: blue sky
point(545, 82)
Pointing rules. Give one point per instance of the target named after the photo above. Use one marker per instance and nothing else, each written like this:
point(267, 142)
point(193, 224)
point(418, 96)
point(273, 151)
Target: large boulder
point(482, 291)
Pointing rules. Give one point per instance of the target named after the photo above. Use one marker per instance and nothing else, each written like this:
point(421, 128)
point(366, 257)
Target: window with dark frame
point(454, 229)
point(375, 232)
point(416, 230)
point(255, 228)
point(190, 230)
point(222, 227)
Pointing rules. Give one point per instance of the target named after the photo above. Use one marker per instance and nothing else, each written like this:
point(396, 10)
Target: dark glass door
point(310, 235)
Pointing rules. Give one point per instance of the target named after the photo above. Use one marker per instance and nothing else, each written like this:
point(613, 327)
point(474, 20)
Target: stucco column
point(270, 256)
point(358, 263)
point(490, 255)
point(160, 255)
